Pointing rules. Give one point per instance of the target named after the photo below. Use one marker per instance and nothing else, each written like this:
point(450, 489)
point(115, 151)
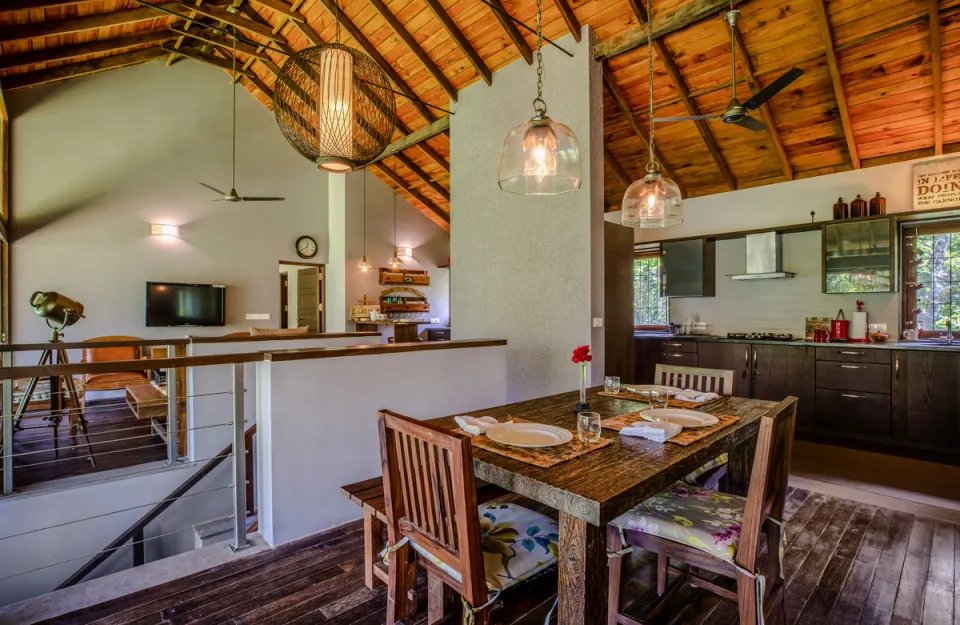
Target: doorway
point(302, 295)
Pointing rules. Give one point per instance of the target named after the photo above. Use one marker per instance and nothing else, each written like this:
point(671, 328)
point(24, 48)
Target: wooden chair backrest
point(719, 381)
point(767, 492)
point(431, 496)
point(105, 354)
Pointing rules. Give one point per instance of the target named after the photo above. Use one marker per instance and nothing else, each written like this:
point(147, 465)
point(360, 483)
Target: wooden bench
point(368, 494)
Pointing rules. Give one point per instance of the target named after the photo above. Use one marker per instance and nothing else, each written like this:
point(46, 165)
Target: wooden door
point(646, 358)
point(926, 399)
point(308, 298)
point(733, 356)
point(618, 301)
point(284, 301)
point(782, 370)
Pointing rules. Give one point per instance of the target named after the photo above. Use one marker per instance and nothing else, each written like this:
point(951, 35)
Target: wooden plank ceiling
point(881, 78)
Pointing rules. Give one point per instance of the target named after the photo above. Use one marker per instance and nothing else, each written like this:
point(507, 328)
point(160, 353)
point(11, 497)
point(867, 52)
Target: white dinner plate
point(646, 388)
point(529, 434)
point(686, 418)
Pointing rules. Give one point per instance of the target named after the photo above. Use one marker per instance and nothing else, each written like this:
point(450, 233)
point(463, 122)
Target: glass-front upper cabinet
point(858, 256)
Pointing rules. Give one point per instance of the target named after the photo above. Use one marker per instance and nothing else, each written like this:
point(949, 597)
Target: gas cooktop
point(759, 336)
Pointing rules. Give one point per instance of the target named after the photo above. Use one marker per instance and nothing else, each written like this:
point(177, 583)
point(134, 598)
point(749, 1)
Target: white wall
point(112, 152)
point(431, 246)
point(317, 426)
point(529, 269)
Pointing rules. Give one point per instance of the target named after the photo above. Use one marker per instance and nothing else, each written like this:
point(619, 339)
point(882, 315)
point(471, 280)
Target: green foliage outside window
point(938, 269)
point(648, 307)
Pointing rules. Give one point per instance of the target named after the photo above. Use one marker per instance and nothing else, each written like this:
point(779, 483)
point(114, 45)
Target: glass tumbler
point(611, 384)
point(658, 399)
point(588, 426)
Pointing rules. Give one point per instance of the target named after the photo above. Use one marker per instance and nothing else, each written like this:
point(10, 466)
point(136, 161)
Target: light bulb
point(364, 265)
point(653, 202)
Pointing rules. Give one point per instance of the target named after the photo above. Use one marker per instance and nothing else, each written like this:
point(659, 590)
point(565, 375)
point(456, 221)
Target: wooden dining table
point(591, 490)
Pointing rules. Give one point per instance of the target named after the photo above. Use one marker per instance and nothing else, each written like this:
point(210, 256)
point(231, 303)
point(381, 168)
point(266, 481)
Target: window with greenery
point(931, 277)
point(649, 309)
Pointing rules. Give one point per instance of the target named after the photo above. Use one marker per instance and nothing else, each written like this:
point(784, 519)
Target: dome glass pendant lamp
point(364, 266)
point(654, 201)
point(540, 156)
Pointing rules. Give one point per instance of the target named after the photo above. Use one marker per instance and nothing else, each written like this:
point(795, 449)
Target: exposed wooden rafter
point(415, 47)
point(617, 168)
point(458, 37)
point(512, 31)
point(416, 137)
point(246, 24)
point(47, 28)
point(253, 16)
point(72, 70)
point(681, 17)
point(222, 41)
point(282, 8)
point(823, 22)
point(569, 18)
point(71, 51)
point(624, 105)
point(765, 111)
point(398, 180)
point(198, 55)
point(936, 62)
point(422, 175)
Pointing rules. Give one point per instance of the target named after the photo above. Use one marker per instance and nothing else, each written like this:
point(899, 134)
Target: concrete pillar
point(336, 286)
point(529, 269)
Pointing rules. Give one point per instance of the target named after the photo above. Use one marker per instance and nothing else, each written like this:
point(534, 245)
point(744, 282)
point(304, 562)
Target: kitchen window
point(650, 310)
point(931, 277)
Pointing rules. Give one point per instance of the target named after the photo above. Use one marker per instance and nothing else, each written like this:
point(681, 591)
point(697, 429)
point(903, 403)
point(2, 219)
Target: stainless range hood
point(764, 258)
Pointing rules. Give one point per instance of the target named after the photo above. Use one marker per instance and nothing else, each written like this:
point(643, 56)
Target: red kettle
point(840, 328)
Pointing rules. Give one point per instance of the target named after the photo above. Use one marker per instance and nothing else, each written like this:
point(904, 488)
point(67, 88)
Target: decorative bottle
point(858, 207)
point(840, 209)
point(878, 205)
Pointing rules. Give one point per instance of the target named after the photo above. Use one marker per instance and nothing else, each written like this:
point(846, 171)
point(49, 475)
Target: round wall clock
point(306, 247)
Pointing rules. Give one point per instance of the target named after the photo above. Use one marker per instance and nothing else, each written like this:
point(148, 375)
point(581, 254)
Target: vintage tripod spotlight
point(60, 312)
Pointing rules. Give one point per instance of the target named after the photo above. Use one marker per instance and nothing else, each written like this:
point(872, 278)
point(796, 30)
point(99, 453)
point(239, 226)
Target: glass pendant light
point(395, 261)
point(653, 202)
point(364, 266)
point(540, 156)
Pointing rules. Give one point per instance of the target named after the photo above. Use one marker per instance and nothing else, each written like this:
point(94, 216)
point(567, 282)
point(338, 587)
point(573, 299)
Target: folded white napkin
point(657, 431)
point(696, 396)
point(475, 425)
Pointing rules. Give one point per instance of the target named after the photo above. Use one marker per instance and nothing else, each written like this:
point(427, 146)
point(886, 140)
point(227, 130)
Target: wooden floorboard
point(847, 564)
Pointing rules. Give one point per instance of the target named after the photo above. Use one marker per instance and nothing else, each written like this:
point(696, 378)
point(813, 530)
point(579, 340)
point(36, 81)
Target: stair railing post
point(239, 462)
point(172, 392)
point(6, 420)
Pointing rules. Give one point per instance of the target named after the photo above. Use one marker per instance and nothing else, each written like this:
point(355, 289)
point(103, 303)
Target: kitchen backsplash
point(778, 305)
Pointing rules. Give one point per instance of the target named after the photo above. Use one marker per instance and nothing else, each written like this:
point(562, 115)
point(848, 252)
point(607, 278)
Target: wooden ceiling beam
point(373, 53)
point(282, 8)
point(254, 16)
point(617, 168)
point(936, 61)
point(413, 138)
point(422, 175)
point(416, 48)
point(71, 51)
point(426, 203)
point(233, 19)
point(47, 28)
point(222, 41)
point(833, 65)
point(72, 70)
point(458, 37)
point(624, 105)
point(687, 14)
point(765, 111)
point(569, 18)
point(503, 16)
point(198, 55)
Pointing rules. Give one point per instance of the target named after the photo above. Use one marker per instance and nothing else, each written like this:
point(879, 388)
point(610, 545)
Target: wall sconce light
point(165, 230)
point(405, 252)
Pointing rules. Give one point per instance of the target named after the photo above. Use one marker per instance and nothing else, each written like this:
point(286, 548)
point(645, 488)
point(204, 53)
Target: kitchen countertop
point(926, 346)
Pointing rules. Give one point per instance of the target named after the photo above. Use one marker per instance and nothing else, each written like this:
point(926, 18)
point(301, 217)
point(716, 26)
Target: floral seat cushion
point(699, 517)
point(516, 541)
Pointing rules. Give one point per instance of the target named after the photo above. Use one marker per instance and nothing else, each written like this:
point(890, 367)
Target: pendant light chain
point(652, 166)
point(539, 105)
point(233, 77)
point(395, 214)
point(364, 172)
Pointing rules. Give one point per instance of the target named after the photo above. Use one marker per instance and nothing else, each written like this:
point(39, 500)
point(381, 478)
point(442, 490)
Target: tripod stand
point(59, 401)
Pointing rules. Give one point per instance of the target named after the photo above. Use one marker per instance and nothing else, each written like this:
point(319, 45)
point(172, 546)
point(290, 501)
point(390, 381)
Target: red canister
point(840, 328)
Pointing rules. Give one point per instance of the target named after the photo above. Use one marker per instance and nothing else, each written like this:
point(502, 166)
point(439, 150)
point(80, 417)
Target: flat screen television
point(171, 304)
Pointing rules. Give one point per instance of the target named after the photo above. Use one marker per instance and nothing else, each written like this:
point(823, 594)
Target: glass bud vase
point(582, 404)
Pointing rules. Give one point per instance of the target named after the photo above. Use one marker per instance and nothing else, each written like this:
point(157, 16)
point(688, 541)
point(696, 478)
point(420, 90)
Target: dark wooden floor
point(117, 437)
point(846, 564)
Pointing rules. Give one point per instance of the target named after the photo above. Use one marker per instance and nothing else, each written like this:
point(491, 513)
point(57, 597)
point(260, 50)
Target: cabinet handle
point(755, 372)
point(674, 355)
point(851, 396)
point(852, 353)
point(896, 366)
point(746, 358)
point(675, 344)
point(852, 367)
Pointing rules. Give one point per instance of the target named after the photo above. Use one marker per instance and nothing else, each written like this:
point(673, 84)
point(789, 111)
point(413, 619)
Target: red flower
point(582, 354)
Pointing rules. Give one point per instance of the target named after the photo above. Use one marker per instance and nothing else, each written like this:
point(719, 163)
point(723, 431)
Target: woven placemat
point(685, 437)
point(675, 403)
point(544, 457)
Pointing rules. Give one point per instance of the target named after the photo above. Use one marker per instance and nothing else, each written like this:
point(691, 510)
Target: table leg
point(583, 572)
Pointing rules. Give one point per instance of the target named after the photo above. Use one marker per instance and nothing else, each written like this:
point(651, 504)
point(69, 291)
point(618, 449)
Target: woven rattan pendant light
point(335, 106)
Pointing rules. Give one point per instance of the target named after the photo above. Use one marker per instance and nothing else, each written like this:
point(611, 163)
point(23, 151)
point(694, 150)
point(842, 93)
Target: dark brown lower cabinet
point(852, 412)
point(782, 370)
point(926, 400)
point(732, 356)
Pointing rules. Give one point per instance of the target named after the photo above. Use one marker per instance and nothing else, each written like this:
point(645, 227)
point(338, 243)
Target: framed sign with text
point(936, 184)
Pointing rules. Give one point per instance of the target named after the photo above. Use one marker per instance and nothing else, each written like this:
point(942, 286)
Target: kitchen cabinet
point(729, 356)
point(853, 391)
point(688, 268)
point(926, 399)
point(653, 352)
point(858, 256)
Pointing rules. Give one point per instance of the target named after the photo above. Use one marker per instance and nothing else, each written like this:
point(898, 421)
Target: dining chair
point(716, 532)
point(719, 381)
point(431, 507)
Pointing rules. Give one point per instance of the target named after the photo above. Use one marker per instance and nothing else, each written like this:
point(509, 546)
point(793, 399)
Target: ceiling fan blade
point(263, 199)
point(751, 123)
point(684, 118)
point(773, 88)
point(218, 191)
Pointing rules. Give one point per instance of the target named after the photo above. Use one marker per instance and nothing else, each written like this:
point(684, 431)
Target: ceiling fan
point(232, 195)
point(739, 113)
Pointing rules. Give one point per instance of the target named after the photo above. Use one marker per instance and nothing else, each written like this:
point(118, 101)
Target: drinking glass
point(588, 426)
point(611, 384)
point(658, 399)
